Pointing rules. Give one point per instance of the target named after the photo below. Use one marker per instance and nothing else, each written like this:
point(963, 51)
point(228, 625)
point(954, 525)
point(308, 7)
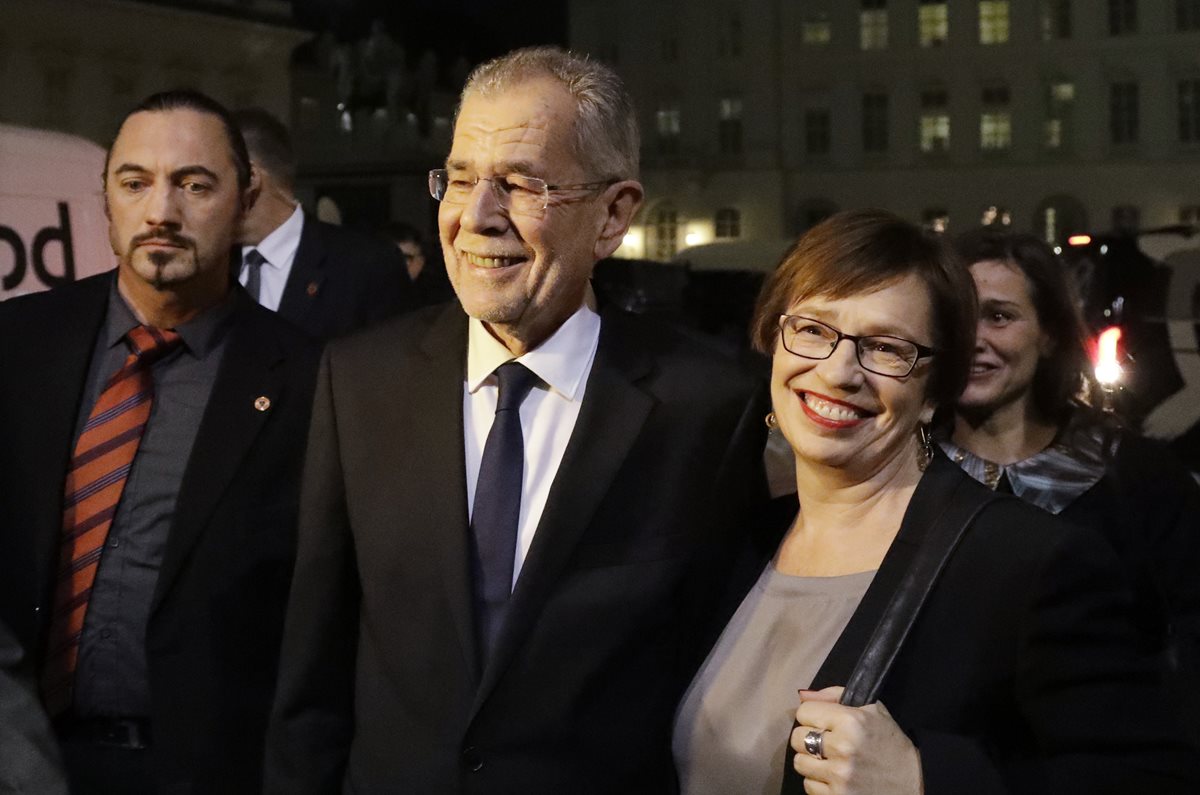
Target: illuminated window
point(816, 30)
point(1056, 19)
point(666, 232)
point(933, 23)
point(1187, 15)
point(667, 128)
point(817, 132)
point(875, 121)
point(1060, 100)
point(935, 219)
point(728, 223)
point(995, 121)
point(935, 121)
point(1123, 113)
point(1189, 111)
point(993, 21)
point(1122, 17)
point(1050, 225)
point(873, 25)
point(729, 126)
point(995, 215)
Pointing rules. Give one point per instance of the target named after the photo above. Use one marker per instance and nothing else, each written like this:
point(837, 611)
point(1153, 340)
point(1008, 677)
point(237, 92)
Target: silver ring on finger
point(814, 743)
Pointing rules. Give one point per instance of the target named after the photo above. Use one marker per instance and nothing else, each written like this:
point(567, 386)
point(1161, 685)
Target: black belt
point(129, 733)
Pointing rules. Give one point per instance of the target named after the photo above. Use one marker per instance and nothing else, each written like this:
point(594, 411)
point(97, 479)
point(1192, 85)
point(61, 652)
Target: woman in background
point(1023, 425)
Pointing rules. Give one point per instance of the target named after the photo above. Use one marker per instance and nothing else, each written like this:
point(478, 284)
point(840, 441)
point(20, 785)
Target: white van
point(52, 224)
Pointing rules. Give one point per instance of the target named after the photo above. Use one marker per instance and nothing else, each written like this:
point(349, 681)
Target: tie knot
point(254, 258)
point(515, 382)
point(151, 344)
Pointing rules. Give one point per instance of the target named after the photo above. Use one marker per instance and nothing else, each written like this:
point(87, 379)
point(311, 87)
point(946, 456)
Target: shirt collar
point(561, 362)
point(200, 334)
point(279, 247)
point(1055, 477)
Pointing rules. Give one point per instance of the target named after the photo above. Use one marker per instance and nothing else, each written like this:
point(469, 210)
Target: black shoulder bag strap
point(898, 617)
point(872, 667)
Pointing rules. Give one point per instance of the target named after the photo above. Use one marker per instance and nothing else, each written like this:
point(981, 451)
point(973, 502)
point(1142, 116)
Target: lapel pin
point(262, 403)
point(311, 289)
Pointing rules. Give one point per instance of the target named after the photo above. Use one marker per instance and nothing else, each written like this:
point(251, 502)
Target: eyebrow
point(524, 167)
point(176, 175)
point(872, 330)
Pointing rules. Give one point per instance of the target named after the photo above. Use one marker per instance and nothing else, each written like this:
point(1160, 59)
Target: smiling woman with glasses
point(943, 638)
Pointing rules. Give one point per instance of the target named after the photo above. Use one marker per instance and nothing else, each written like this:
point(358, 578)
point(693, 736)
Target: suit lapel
point(58, 399)
point(932, 497)
point(613, 412)
point(438, 438)
point(305, 280)
point(230, 425)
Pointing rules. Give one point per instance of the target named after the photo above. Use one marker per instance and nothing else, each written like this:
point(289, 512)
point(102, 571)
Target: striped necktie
point(95, 480)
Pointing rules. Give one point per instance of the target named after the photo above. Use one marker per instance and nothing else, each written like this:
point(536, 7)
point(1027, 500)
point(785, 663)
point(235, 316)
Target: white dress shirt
point(279, 252)
point(548, 414)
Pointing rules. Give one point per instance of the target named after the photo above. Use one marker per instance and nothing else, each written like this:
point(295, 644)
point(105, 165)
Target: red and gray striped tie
point(96, 477)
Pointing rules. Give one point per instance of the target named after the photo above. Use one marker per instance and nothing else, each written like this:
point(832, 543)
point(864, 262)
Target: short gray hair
point(606, 129)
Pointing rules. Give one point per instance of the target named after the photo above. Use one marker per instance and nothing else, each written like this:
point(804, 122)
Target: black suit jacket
point(341, 280)
point(217, 612)
point(381, 689)
point(1022, 673)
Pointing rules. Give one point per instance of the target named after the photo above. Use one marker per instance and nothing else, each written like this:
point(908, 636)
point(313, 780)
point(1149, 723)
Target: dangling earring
point(925, 456)
point(772, 421)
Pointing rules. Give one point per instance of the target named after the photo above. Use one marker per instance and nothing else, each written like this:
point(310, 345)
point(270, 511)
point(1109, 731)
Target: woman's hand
point(866, 753)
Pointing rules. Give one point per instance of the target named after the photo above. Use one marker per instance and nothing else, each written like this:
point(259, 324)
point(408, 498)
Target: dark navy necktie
point(498, 505)
point(254, 262)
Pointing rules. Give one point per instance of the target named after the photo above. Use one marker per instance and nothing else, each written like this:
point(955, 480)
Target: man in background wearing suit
point(153, 421)
point(512, 509)
point(324, 278)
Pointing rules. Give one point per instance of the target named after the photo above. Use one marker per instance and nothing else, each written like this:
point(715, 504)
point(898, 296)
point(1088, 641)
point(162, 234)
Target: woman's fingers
point(830, 694)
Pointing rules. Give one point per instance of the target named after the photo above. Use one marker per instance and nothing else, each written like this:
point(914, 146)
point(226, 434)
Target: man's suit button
point(471, 759)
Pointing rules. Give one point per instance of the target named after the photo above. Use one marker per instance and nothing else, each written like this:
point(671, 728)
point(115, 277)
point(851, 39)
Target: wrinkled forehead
point(167, 140)
point(526, 128)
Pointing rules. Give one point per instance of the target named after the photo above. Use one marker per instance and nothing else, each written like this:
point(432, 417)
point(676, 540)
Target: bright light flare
point(1108, 368)
point(1079, 240)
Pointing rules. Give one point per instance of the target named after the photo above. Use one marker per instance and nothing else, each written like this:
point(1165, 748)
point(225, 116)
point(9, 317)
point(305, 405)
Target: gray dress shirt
point(111, 677)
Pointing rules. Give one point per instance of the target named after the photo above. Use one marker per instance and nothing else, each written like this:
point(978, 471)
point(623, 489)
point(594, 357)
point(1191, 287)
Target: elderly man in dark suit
point(153, 420)
point(324, 278)
point(513, 509)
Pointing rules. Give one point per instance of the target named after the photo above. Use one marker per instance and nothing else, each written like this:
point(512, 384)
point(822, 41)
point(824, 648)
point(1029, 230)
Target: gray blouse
point(734, 722)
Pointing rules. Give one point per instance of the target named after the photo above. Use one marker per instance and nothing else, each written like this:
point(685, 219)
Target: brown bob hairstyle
point(861, 251)
point(1061, 376)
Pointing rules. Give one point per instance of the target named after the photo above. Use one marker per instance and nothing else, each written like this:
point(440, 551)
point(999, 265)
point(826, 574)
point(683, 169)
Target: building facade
point(761, 117)
point(79, 66)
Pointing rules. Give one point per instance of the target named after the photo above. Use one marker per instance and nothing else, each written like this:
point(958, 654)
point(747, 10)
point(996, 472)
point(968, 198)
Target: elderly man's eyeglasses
point(881, 354)
point(516, 193)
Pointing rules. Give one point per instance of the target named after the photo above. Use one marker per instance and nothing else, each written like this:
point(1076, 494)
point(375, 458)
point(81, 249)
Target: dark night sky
point(478, 28)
